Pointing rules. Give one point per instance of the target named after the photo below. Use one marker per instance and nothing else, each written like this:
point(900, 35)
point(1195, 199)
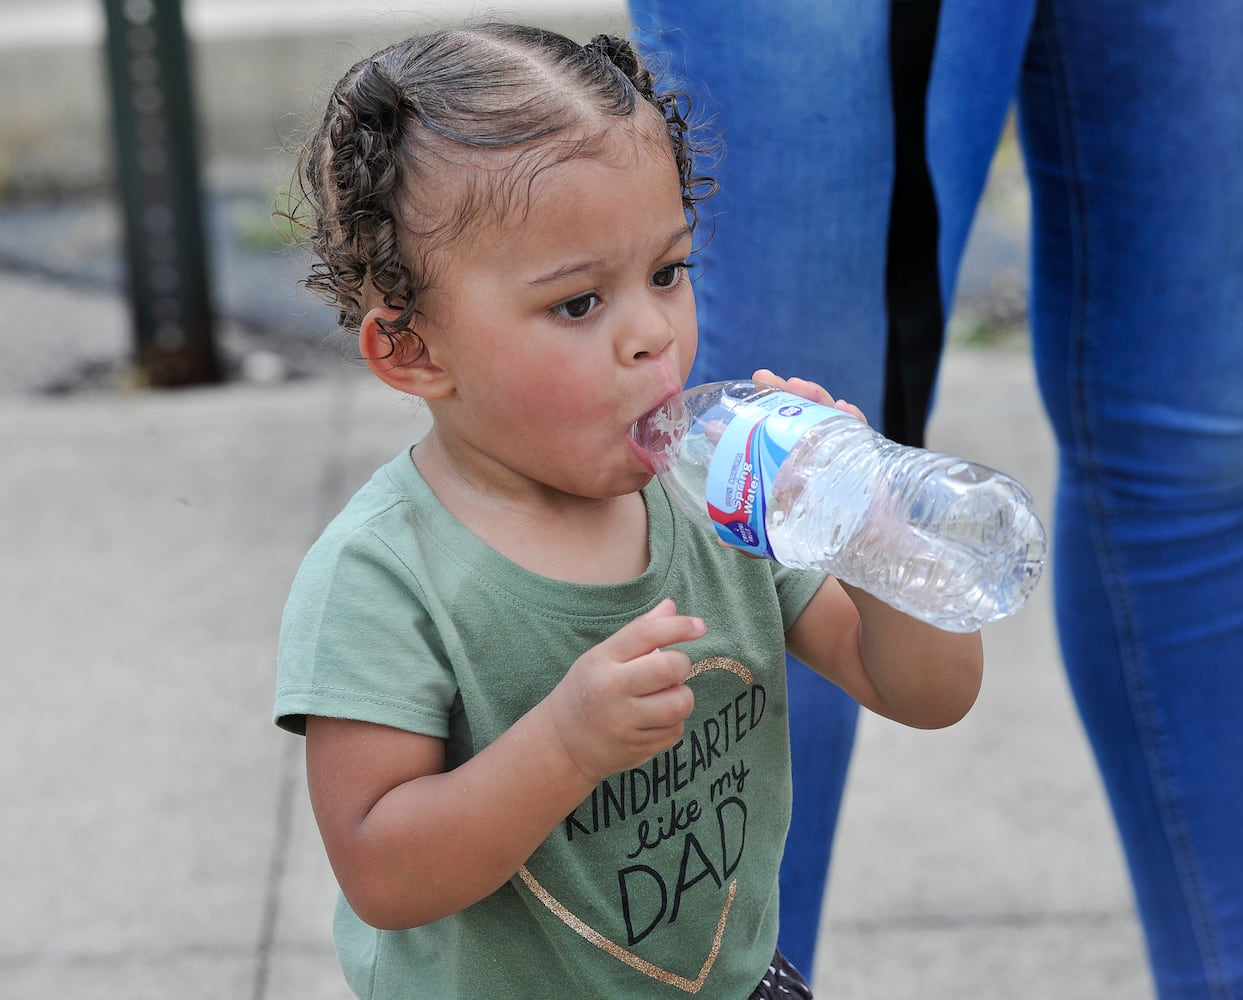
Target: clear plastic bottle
point(947, 541)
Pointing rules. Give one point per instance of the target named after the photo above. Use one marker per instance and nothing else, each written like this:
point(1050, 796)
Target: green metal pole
point(157, 172)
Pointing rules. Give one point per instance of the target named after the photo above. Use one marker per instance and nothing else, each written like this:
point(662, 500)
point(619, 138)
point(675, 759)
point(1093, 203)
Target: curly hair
point(397, 118)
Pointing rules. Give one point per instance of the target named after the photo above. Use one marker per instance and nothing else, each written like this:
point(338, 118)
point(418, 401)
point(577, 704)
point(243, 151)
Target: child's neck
point(553, 534)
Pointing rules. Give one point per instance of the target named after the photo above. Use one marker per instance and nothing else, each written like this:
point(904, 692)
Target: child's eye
point(671, 274)
point(578, 307)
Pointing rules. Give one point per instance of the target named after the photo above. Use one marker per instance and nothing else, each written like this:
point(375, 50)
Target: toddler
point(545, 716)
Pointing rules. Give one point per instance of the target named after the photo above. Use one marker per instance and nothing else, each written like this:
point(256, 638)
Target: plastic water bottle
point(950, 542)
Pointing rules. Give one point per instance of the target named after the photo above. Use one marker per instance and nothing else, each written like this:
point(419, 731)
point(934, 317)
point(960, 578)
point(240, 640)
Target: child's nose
point(649, 334)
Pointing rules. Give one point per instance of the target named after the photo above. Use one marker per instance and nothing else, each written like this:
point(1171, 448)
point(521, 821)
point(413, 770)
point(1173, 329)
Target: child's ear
point(404, 360)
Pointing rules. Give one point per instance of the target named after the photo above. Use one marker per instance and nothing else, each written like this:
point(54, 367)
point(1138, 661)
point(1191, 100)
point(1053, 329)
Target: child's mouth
point(657, 436)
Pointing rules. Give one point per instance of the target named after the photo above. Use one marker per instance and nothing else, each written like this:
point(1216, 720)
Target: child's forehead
point(608, 210)
point(498, 189)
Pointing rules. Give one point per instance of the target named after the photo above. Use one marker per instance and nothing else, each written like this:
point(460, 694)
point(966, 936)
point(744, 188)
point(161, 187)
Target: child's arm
point(411, 843)
point(889, 662)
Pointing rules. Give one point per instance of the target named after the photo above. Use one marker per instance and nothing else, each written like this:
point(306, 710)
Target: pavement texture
point(157, 838)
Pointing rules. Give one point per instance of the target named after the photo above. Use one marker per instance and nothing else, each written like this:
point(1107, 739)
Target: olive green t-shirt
point(664, 881)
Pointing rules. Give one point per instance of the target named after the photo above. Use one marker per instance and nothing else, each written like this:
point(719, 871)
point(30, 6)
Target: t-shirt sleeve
point(357, 641)
point(795, 589)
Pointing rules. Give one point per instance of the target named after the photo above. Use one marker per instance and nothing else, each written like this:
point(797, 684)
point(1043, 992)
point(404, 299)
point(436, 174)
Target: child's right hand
point(625, 699)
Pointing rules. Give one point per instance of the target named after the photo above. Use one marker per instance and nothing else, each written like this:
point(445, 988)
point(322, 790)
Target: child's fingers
point(808, 390)
point(660, 627)
point(798, 386)
point(663, 709)
point(850, 408)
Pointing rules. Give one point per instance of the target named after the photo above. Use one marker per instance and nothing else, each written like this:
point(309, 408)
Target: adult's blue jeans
point(836, 245)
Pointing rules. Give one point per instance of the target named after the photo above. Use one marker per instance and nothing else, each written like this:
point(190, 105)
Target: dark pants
point(782, 982)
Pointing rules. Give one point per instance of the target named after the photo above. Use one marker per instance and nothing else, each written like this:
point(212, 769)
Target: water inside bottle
point(946, 540)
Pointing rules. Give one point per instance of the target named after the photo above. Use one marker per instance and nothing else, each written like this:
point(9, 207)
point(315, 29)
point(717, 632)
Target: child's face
point(560, 326)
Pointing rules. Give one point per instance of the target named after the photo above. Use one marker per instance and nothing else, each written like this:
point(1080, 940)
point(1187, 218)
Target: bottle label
point(758, 438)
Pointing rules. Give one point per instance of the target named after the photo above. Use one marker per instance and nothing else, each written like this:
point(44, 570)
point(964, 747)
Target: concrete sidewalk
point(158, 840)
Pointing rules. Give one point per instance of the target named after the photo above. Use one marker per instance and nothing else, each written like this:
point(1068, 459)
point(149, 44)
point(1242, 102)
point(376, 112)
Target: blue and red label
point(758, 438)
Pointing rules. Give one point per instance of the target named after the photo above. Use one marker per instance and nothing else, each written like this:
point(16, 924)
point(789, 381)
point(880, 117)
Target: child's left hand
point(808, 390)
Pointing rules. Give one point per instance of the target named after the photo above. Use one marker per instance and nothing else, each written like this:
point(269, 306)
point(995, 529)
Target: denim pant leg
point(792, 279)
point(1133, 127)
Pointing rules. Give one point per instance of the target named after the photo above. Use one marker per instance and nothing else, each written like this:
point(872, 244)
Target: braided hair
point(372, 172)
